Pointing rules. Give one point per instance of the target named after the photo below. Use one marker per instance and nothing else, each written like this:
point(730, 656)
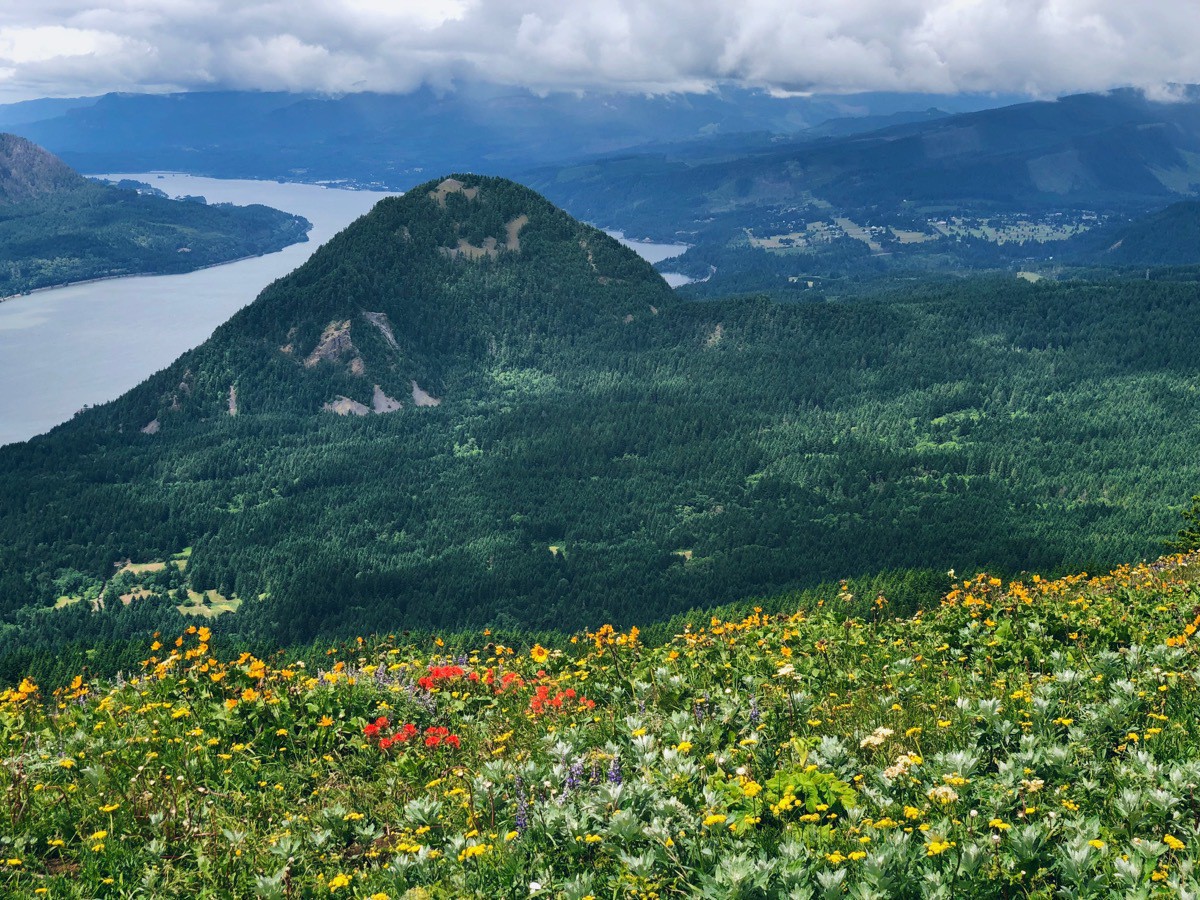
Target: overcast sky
point(1040, 47)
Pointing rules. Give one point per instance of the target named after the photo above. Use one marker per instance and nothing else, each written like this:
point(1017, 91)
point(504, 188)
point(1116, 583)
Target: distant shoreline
point(332, 185)
point(228, 262)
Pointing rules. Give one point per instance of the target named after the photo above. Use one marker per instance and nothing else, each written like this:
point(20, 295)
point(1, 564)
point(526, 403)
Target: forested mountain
point(58, 227)
point(470, 409)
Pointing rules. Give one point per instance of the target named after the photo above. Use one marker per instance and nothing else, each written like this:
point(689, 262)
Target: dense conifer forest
point(601, 449)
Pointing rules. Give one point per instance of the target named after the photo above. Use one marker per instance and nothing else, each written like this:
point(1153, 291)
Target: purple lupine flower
point(574, 776)
point(522, 817)
point(614, 770)
point(755, 716)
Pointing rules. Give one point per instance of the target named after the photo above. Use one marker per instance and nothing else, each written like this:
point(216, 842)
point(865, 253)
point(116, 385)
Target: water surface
point(650, 251)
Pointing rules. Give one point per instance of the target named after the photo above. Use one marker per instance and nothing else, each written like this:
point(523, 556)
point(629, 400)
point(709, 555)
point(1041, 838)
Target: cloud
point(1040, 47)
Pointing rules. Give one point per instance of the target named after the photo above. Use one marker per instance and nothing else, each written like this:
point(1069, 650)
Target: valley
point(557, 394)
point(627, 450)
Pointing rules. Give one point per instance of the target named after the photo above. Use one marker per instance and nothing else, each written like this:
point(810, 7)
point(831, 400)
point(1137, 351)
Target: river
point(655, 253)
point(85, 344)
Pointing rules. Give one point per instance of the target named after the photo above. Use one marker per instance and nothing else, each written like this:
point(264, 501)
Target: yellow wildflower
point(473, 851)
point(339, 881)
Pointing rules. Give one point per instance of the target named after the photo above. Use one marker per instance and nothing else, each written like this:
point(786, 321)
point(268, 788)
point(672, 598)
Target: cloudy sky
point(1040, 47)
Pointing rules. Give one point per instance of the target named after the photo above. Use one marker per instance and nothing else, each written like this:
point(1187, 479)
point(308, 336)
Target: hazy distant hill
point(843, 127)
point(393, 138)
point(1084, 151)
point(26, 111)
point(58, 227)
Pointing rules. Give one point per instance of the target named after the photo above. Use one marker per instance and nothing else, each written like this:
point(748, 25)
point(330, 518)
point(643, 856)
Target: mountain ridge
point(476, 126)
point(1085, 151)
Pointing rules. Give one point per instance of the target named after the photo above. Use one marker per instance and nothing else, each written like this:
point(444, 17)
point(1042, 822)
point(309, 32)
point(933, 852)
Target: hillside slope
point(57, 227)
point(1165, 237)
point(470, 409)
point(1034, 738)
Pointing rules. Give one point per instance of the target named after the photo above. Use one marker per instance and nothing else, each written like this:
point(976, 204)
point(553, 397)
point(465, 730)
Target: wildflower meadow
point(1022, 739)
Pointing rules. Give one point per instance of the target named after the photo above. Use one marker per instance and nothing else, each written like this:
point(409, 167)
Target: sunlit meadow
point(1032, 739)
